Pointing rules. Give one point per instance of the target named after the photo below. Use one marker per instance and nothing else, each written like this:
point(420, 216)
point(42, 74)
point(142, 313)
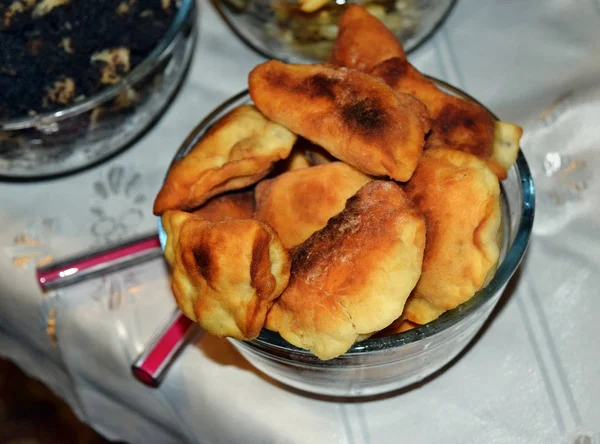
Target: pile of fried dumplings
point(352, 198)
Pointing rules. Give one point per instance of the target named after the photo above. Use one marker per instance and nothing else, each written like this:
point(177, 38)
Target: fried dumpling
point(304, 154)
point(239, 150)
point(460, 198)
point(363, 41)
point(403, 77)
point(400, 325)
point(300, 202)
point(233, 205)
point(314, 153)
point(297, 159)
point(352, 115)
point(318, 156)
point(227, 274)
point(352, 278)
point(456, 123)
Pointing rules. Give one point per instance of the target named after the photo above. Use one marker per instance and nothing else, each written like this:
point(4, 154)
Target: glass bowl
point(85, 133)
point(380, 365)
point(277, 29)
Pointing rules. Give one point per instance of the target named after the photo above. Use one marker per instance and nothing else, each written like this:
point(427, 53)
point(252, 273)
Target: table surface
point(532, 376)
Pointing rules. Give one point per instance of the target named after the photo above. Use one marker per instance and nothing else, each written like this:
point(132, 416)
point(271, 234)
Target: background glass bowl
point(277, 30)
point(380, 365)
point(88, 132)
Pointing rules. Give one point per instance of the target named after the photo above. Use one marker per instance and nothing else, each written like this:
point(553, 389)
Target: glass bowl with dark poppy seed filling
point(382, 364)
point(84, 80)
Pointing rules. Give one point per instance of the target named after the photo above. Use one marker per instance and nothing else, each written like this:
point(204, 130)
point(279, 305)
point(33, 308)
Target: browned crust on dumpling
point(238, 151)
point(352, 115)
point(456, 123)
point(233, 205)
point(298, 203)
point(363, 41)
point(351, 278)
point(227, 274)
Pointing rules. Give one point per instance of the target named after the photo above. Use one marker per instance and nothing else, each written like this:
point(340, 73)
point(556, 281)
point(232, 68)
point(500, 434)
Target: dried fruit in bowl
point(236, 152)
point(352, 115)
point(226, 274)
point(299, 202)
point(460, 198)
point(352, 278)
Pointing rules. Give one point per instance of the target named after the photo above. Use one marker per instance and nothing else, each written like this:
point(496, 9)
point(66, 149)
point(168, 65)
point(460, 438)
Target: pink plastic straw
point(151, 366)
point(94, 263)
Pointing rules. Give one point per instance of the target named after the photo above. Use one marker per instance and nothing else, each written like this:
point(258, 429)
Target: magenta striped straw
point(152, 364)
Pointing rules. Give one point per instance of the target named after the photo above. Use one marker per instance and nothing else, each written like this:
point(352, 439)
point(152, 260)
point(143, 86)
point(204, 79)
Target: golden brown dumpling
point(296, 160)
point(400, 325)
point(351, 278)
point(318, 156)
point(460, 198)
point(227, 274)
point(304, 154)
point(233, 205)
point(300, 202)
point(456, 123)
point(363, 41)
point(313, 153)
point(352, 115)
point(239, 150)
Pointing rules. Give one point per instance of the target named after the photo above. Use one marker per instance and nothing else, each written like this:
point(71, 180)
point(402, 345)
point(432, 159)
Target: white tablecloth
point(531, 377)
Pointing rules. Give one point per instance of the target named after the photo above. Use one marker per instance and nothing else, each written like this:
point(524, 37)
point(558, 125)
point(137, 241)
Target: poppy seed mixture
point(55, 53)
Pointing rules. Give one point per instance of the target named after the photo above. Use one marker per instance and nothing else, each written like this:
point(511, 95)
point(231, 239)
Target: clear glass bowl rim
point(506, 269)
point(156, 56)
